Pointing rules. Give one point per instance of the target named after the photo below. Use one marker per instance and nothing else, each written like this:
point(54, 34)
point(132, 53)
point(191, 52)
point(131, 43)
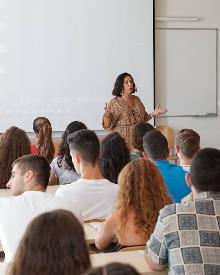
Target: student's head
point(113, 269)
point(52, 244)
point(155, 145)
point(114, 155)
point(137, 135)
point(14, 143)
point(187, 143)
point(28, 173)
point(42, 128)
point(124, 83)
point(64, 151)
point(84, 148)
point(141, 191)
point(205, 170)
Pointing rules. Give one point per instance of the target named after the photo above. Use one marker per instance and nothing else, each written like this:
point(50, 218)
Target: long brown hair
point(142, 191)
point(45, 146)
point(14, 143)
point(53, 243)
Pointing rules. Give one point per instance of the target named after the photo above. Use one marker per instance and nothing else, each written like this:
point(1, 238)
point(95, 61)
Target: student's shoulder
point(110, 184)
point(177, 209)
point(177, 168)
point(68, 187)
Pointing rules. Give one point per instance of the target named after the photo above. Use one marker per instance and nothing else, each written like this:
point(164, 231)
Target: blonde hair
point(45, 146)
point(142, 191)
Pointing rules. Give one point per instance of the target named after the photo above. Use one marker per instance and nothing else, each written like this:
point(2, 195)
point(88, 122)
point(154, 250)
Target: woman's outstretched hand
point(158, 111)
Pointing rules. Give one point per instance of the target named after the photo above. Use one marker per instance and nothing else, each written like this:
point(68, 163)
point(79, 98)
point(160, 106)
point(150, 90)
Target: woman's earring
point(122, 92)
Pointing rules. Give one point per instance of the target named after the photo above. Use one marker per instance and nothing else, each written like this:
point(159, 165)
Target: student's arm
point(153, 265)
point(53, 179)
point(156, 253)
point(107, 233)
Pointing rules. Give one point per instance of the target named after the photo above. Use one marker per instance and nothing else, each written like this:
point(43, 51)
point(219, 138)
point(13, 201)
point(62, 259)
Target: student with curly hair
point(53, 243)
point(142, 194)
point(114, 155)
point(62, 168)
point(44, 147)
point(14, 143)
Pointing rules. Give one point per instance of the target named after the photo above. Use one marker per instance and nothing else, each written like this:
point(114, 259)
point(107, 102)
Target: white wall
point(208, 11)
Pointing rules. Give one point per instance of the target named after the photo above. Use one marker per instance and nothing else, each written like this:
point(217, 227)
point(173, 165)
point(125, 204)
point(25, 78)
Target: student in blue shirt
point(156, 148)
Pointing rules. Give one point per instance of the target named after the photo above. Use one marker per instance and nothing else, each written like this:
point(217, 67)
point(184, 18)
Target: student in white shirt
point(92, 193)
point(28, 183)
point(187, 144)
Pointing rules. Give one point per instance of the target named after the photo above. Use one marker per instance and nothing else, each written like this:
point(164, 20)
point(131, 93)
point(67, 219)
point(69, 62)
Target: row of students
point(83, 158)
point(185, 238)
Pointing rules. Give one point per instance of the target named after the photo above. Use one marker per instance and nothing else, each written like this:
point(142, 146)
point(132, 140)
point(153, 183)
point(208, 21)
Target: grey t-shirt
point(63, 174)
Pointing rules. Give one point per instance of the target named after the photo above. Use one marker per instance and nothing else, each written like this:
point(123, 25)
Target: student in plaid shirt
point(187, 235)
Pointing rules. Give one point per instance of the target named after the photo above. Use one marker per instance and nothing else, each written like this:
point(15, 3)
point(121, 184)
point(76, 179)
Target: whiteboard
point(60, 59)
point(186, 71)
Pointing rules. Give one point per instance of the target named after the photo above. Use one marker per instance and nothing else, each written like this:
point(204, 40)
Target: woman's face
point(128, 85)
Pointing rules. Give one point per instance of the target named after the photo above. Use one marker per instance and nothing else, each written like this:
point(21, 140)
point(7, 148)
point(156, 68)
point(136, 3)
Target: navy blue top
point(174, 178)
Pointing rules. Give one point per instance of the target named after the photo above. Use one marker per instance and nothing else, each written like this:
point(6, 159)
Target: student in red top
point(44, 147)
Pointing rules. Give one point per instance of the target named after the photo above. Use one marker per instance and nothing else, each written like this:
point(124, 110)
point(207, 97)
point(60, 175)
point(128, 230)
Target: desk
point(134, 258)
point(3, 268)
point(91, 230)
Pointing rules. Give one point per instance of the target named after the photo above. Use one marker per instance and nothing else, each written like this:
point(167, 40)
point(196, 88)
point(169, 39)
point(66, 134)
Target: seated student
point(114, 155)
point(62, 168)
point(94, 194)
point(187, 144)
point(53, 244)
point(113, 269)
point(156, 148)
point(186, 235)
point(44, 147)
point(28, 183)
point(14, 143)
point(137, 139)
point(142, 194)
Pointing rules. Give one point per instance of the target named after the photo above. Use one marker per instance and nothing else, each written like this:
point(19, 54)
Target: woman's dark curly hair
point(119, 84)
point(64, 152)
point(114, 155)
point(54, 243)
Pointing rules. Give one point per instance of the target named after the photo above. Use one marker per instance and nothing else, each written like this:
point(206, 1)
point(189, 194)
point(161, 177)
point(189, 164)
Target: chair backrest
point(169, 134)
point(132, 248)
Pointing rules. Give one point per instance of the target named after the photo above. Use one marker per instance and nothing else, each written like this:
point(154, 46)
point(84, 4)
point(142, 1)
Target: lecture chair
point(170, 136)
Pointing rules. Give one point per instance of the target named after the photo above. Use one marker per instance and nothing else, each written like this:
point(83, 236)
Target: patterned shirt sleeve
point(156, 246)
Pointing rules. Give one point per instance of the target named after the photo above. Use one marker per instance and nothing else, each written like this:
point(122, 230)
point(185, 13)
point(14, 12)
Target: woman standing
point(126, 110)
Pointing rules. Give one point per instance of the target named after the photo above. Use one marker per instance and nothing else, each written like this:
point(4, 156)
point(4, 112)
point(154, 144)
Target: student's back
point(94, 195)
point(95, 198)
point(174, 178)
point(141, 195)
point(156, 148)
point(187, 234)
point(44, 147)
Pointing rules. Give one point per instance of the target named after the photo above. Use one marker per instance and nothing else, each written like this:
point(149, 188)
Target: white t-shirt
point(186, 167)
point(95, 198)
point(16, 212)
